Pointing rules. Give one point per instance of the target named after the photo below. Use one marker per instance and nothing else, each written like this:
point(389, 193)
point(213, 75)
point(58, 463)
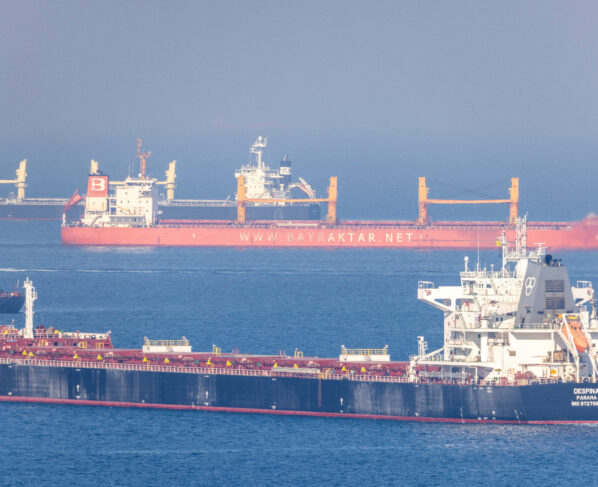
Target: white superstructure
point(522, 321)
point(133, 203)
point(263, 182)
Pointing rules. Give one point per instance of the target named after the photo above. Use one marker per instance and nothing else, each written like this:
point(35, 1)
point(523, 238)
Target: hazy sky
point(369, 90)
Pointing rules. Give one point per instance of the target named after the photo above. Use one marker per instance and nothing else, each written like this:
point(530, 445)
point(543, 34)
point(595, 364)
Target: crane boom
point(331, 200)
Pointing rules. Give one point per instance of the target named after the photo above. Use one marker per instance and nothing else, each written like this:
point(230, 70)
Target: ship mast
point(258, 149)
point(143, 156)
point(30, 297)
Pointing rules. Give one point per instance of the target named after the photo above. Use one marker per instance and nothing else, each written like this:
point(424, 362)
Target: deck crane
point(242, 200)
point(168, 183)
point(424, 201)
point(304, 186)
point(20, 181)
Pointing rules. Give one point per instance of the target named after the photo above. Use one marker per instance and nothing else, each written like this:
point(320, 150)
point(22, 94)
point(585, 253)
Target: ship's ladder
point(461, 319)
point(493, 284)
point(477, 303)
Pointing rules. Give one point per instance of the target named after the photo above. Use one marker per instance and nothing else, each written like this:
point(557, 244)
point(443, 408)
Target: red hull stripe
point(81, 402)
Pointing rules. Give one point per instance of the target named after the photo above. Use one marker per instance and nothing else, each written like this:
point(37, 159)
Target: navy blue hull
point(39, 211)
point(11, 304)
point(556, 402)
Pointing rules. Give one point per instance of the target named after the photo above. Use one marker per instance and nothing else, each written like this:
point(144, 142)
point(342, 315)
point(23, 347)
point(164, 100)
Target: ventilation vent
point(555, 286)
point(555, 302)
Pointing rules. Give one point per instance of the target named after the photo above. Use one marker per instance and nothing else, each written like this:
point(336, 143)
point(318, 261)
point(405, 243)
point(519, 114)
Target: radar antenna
point(258, 149)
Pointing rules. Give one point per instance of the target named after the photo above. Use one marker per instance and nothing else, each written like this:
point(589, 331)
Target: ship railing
point(461, 324)
point(165, 343)
point(487, 274)
point(505, 309)
point(364, 351)
point(198, 203)
point(423, 377)
point(584, 285)
point(35, 201)
point(536, 326)
point(459, 341)
point(100, 364)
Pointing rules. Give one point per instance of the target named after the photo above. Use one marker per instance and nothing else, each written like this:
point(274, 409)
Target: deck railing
point(322, 374)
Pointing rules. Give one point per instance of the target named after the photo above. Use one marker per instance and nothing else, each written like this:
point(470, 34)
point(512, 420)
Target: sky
point(467, 93)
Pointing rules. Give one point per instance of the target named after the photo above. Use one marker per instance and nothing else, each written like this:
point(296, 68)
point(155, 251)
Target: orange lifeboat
point(572, 324)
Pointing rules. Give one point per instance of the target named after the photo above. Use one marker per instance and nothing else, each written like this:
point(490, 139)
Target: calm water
point(259, 301)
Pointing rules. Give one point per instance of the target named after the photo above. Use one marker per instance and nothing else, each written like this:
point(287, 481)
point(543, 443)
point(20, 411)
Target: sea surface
point(259, 301)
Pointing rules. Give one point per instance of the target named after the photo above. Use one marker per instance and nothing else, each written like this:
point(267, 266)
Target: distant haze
point(377, 93)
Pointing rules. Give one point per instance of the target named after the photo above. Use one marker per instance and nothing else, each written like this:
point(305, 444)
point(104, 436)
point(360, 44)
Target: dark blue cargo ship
point(519, 347)
point(29, 380)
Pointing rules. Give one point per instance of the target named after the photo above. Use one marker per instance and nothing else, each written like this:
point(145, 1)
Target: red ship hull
point(582, 235)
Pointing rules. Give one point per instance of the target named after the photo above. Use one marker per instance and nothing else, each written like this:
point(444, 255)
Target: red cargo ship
point(442, 235)
point(131, 216)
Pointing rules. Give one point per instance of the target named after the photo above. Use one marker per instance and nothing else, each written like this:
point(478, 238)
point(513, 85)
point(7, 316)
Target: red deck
point(54, 347)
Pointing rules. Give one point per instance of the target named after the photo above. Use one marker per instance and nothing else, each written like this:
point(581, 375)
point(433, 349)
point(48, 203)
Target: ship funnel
point(30, 297)
point(285, 170)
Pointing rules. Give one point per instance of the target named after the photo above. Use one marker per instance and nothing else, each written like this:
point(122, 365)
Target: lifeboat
point(572, 324)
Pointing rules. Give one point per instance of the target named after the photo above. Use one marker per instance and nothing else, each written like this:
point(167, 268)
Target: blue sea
point(259, 301)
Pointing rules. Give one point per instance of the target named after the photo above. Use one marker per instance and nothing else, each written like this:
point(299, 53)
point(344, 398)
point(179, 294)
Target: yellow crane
point(424, 201)
point(168, 183)
point(20, 182)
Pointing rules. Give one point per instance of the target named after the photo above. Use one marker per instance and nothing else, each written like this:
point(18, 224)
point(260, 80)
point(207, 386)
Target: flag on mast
point(73, 200)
